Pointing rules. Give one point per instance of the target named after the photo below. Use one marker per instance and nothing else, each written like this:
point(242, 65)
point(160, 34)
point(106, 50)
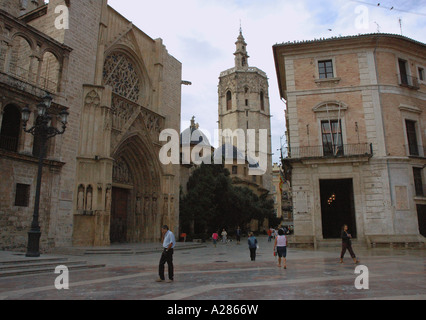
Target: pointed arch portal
point(135, 193)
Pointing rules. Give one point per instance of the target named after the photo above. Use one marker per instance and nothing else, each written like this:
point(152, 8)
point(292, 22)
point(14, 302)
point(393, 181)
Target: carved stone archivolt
point(121, 172)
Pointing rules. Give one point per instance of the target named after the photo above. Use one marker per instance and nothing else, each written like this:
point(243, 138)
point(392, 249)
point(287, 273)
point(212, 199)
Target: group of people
point(280, 248)
point(273, 232)
point(224, 234)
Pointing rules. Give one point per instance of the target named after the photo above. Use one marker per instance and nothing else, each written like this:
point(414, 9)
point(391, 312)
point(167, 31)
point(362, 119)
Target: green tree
point(213, 203)
point(207, 188)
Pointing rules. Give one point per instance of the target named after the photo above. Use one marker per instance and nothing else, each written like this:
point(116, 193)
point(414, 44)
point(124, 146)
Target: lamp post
point(43, 130)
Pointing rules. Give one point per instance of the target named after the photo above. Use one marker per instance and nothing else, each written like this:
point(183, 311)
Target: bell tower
point(244, 105)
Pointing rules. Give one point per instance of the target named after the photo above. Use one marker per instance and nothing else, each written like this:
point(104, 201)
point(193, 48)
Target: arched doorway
point(135, 193)
point(10, 128)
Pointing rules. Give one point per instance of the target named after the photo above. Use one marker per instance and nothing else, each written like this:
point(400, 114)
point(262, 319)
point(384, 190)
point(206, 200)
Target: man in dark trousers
point(169, 243)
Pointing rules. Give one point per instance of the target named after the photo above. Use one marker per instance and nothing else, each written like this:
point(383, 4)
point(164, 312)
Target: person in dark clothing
point(347, 245)
point(252, 242)
point(238, 234)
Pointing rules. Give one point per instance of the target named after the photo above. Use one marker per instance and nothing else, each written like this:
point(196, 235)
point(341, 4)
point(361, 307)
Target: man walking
point(238, 233)
point(169, 243)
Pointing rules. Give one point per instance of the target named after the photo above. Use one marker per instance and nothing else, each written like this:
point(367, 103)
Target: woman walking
point(224, 235)
point(281, 248)
point(347, 245)
point(252, 242)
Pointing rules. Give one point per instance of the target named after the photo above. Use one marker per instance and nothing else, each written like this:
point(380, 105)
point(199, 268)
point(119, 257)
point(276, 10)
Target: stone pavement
point(226, 273)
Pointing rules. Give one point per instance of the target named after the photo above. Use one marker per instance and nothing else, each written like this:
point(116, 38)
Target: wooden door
point(119, 207)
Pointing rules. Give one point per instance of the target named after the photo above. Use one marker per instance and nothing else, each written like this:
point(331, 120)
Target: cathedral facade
point(102, 180)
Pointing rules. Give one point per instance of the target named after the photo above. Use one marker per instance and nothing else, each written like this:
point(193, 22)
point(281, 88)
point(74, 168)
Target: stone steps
point(14, 268)
point(108, 251)
point(127, 251)
point(337, 243)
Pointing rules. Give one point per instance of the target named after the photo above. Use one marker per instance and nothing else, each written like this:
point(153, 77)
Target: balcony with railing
point(8, 143)
point(32, 78)
point(30, 60)
point(341, 151)
point(416, 150)
point(407, 81)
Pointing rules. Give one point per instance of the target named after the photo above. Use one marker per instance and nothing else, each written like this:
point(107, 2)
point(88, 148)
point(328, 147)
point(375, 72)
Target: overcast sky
point(201, 34)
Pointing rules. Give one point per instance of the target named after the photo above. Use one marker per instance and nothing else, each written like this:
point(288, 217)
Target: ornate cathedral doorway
point(136, 208)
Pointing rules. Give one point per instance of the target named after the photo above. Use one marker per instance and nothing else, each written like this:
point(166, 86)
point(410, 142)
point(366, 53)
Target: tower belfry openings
point(241, 55)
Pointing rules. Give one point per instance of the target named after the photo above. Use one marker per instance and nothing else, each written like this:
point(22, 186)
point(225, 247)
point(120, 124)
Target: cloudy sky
point(202, 34)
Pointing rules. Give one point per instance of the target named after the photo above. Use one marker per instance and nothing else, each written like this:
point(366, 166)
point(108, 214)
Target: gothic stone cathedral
point(102, 179)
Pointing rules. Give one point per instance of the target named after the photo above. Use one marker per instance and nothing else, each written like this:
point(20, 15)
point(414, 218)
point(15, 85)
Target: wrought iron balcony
point(405, 80)
point(347, 150)
point(8, 143)
point(415, 150)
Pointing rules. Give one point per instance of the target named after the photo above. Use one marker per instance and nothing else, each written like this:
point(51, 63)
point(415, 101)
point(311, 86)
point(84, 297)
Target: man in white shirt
point(169, 244)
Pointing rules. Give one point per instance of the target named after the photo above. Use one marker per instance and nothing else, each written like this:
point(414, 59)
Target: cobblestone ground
point(226, 273)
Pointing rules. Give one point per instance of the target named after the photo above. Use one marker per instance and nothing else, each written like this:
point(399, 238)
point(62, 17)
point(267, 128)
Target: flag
point(282, 181)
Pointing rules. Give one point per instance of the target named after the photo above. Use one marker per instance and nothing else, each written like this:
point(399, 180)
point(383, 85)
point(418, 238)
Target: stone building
point(277, 190)
point(103, 181)
point(282, 196)
point(243, 106)
point(356, 116)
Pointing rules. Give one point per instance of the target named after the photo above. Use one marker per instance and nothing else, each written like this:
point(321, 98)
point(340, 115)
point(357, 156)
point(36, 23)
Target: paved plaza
point(226, 273)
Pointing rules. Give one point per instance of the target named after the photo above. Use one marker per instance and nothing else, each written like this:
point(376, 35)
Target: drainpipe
point(384, 132)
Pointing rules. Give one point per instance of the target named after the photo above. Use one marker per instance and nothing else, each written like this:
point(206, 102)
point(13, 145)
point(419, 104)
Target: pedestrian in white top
point(224, 235)
point(281, 248)
point(169, 243)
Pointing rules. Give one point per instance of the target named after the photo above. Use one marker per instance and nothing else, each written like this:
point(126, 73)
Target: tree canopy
point(213, 203)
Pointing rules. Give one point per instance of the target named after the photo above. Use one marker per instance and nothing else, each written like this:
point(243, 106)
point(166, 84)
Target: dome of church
point(230, 152)
point(194, 136)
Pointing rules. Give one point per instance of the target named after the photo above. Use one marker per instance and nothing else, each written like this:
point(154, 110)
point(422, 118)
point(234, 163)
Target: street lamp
point(43, 130)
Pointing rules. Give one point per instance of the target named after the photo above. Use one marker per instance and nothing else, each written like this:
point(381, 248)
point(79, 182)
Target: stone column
point(31, 75)
point(1, 112)
point(147, 216)
point(8, 58)
point(40, 65)
point(63, 73)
